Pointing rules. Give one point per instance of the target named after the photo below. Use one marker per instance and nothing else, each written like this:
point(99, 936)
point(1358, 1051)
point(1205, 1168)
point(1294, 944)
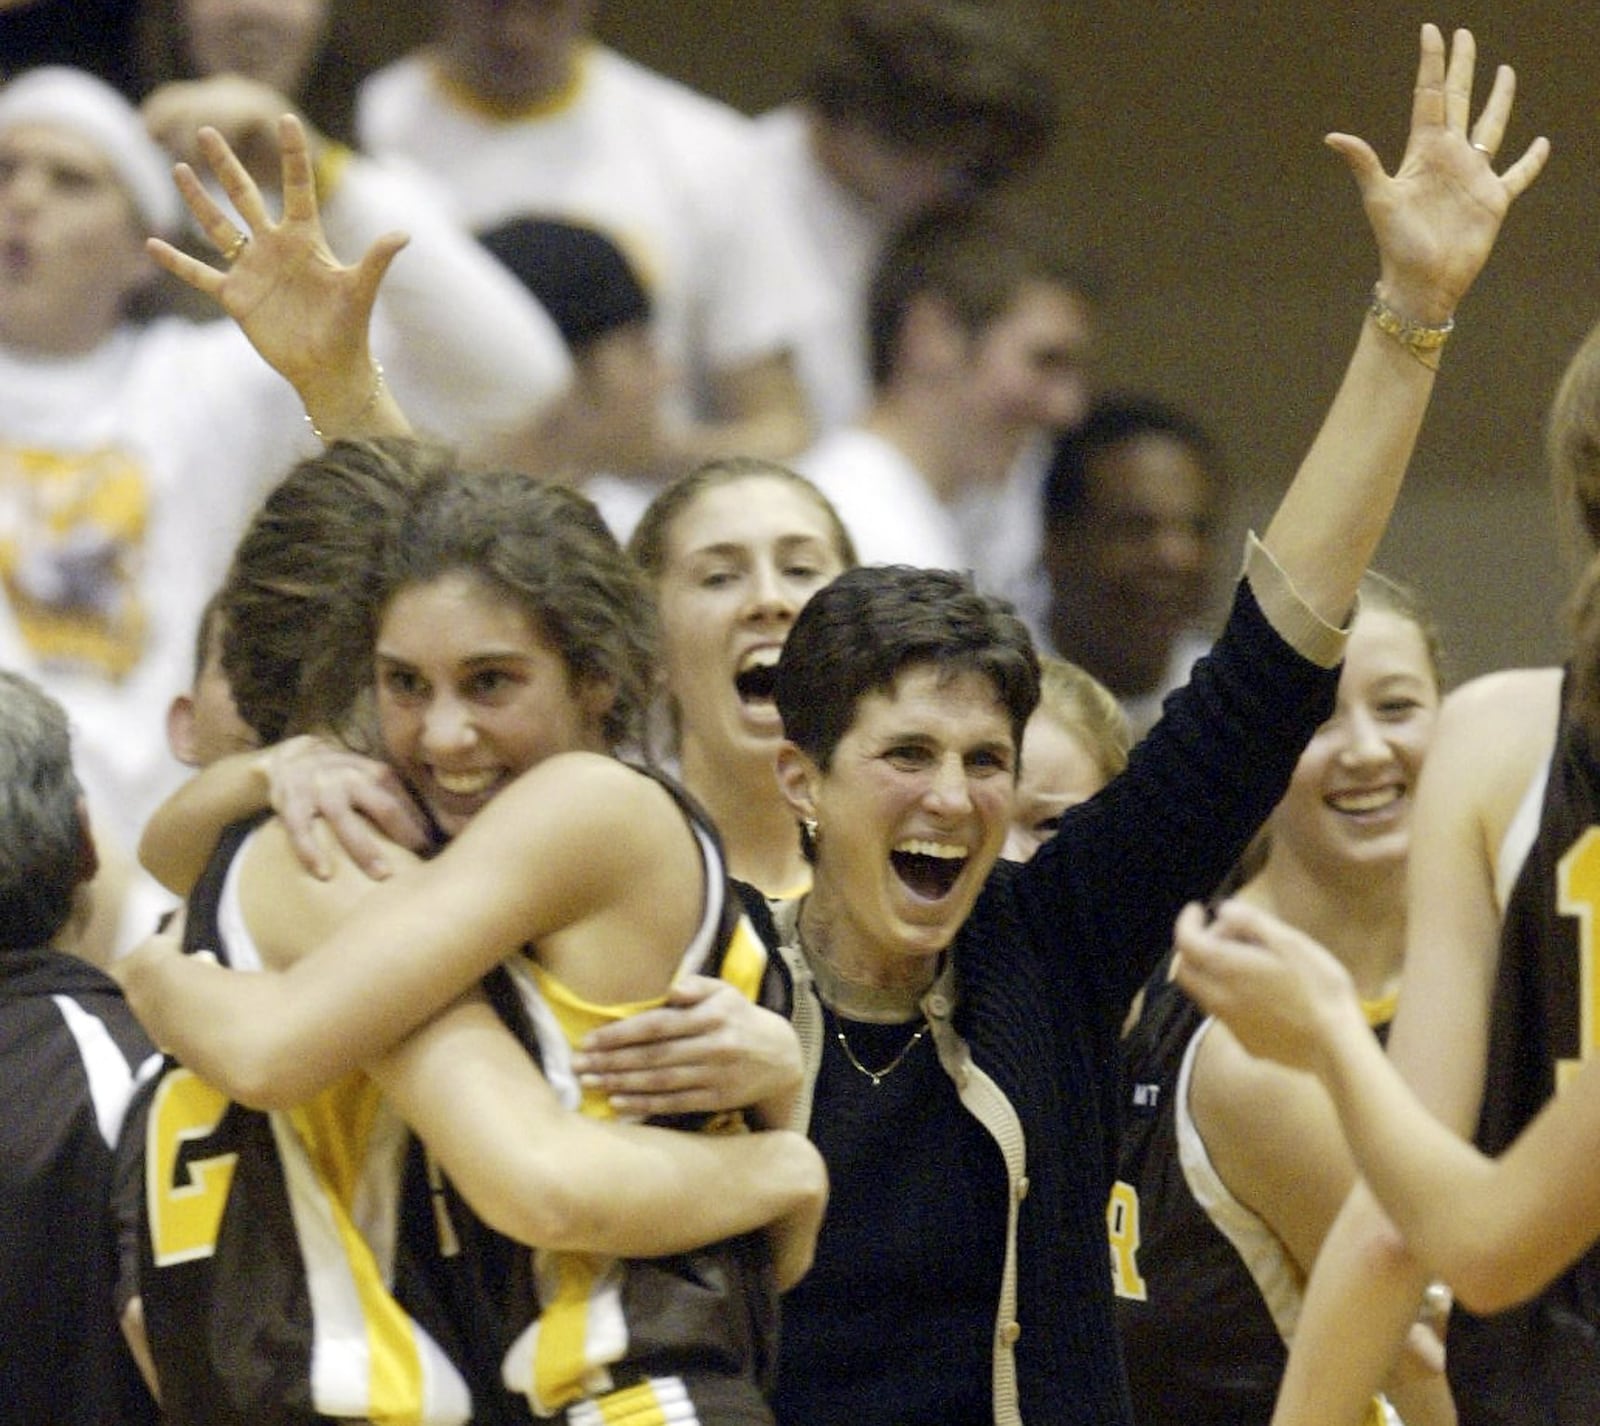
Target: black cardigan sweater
point(1045, 967)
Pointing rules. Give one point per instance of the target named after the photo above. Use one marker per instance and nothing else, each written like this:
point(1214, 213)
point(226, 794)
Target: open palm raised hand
point(1436, 217)
point(302, 309)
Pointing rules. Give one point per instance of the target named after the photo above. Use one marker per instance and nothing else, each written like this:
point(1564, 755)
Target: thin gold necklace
point(874, 1004)
point(877, 1076)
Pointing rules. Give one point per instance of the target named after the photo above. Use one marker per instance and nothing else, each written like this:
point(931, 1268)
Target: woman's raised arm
point(1435, 220)
point(304, 311)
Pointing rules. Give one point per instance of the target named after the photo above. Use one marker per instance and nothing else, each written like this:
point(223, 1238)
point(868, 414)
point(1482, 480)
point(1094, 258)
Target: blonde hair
point(648, 546)
point(1378, 592)
point(1572, 439)
point(1080, 704)
point(1572, 445)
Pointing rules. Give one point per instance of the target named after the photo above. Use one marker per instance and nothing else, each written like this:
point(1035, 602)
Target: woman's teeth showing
point(1373, 799)
point(465, 784)
point(929, 869)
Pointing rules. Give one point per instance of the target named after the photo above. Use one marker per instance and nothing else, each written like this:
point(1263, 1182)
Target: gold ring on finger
point(230, 254)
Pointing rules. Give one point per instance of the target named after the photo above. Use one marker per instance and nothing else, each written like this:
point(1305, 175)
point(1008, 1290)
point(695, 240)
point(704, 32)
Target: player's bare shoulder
point(1496, 732)
point(288, 910)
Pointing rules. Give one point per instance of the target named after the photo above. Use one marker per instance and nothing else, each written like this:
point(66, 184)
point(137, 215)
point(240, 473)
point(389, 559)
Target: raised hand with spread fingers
point(303, 310)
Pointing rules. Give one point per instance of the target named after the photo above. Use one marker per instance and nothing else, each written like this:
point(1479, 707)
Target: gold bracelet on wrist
point(1418, 338)
point(366, 406)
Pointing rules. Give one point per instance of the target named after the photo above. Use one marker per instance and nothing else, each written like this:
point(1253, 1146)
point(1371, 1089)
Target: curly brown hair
point(296, 629)
point(546, 549)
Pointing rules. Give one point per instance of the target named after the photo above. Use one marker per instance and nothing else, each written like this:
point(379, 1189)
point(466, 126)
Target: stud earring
point(808, 838)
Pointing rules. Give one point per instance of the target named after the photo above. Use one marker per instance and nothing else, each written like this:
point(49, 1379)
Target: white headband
point(66, 98)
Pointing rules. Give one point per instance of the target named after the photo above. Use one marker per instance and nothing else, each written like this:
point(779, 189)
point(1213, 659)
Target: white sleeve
point(754, 288)
point(466, 348)
point(891, 514)
point(224, 418)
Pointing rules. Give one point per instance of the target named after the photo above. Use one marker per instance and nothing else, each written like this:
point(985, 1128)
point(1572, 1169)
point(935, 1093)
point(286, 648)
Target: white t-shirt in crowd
point(672, 176)
point(841, 240)
point(887, 505)
point(125, 478)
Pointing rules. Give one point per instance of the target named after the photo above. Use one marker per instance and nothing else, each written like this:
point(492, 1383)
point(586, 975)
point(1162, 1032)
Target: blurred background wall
point(1191, 178)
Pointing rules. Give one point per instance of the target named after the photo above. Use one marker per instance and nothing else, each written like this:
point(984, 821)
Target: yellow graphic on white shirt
point(72, 532)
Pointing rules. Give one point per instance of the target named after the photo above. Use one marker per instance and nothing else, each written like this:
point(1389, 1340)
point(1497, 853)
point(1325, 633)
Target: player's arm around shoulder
point(1496, 731)
point(289, 911)
point(612, 881)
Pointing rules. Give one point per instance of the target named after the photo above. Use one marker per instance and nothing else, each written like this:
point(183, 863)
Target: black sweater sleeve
point(1195, 791)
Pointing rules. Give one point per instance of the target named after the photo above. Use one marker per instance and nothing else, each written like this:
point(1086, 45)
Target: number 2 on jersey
point(185, 1198)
